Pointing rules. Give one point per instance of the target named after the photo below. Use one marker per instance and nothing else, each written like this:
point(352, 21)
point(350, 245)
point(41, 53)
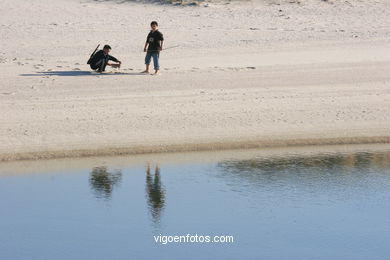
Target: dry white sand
point(251, 74)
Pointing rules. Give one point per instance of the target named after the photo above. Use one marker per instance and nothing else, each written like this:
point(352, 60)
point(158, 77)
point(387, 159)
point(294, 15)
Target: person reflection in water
point(155, 193)
point(102, 182)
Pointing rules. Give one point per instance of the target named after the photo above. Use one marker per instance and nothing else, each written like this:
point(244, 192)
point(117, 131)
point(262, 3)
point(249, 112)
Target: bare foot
point(145, 71)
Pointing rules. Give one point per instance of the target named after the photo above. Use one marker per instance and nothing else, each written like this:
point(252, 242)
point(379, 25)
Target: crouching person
point(99, 61)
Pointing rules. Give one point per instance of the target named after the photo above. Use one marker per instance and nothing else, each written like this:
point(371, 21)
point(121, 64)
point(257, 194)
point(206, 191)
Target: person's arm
point(113, 59)
point(161, 45)
point(146, 43)
point(146, 46)
point(161, 41)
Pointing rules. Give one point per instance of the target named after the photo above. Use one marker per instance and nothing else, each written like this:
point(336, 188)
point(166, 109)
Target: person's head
point(106, 48)
point(154, 25)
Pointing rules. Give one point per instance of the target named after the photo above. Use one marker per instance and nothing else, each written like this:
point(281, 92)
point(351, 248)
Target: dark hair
point(154, 23)
point(107, 47)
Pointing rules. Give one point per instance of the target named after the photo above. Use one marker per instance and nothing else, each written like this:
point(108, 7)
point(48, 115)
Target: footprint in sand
point(76, 69)
point(8, 93)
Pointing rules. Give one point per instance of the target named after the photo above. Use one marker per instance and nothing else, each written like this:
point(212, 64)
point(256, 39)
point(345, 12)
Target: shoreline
point(9, 168)
point(195, 147)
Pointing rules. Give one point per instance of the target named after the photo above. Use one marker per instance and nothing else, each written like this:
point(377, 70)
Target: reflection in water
point(102, 182)
point(315, 170)
point(155, 193)
point(323, 161)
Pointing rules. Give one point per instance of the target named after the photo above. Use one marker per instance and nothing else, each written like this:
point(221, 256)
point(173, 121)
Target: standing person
point(155, 192)
point(153, 46)
point(99, 61)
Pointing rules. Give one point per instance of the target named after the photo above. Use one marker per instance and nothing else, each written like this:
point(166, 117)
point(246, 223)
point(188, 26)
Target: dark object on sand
point(93, 53)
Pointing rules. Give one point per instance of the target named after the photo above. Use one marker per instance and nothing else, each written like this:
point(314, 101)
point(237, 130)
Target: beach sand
point(245, 75)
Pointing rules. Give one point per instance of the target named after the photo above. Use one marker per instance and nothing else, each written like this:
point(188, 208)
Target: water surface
point(312, 206)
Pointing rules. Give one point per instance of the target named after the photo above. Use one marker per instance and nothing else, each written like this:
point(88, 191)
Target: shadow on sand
point(75, 73)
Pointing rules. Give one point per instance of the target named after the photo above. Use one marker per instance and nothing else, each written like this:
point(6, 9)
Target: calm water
point(324, 206)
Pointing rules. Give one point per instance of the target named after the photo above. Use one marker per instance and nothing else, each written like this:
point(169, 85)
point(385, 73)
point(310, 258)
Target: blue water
point(324, 206)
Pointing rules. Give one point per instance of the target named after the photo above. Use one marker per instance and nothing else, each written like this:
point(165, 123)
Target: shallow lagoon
point(305, 205)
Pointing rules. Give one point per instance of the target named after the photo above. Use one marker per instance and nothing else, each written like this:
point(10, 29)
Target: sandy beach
point(244, 75)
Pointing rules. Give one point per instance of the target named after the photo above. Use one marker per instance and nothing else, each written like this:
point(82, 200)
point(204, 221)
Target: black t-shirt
point(154, 38)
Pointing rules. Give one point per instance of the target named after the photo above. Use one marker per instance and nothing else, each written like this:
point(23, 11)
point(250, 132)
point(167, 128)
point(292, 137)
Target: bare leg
point(146, 69)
